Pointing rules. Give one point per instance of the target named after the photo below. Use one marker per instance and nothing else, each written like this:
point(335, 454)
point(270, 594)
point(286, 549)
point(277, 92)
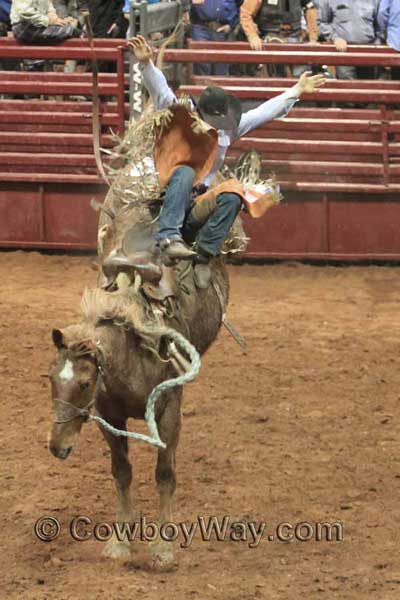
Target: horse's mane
point(98, 305)
point(125, 308)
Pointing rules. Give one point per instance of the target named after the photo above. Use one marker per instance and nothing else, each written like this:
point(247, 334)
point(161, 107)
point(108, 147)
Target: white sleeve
point(275, 108)
point(157, 86)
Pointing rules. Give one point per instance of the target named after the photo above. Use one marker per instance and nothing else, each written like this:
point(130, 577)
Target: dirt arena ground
point(303, 429)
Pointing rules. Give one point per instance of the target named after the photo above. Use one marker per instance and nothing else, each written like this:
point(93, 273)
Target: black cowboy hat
point(219, 109)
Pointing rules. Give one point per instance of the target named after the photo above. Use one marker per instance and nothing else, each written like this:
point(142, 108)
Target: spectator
point(389, 27)
point(281, 19)
point(72, 9)
point(348, 22)
point(6, 64)
point(107, 17)
point(212, 21)
point(5, 25)
point(75, 11)
point(36, 21)
point(108, 21)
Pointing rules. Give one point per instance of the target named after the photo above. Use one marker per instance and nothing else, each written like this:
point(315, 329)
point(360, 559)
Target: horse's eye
point(84, 385)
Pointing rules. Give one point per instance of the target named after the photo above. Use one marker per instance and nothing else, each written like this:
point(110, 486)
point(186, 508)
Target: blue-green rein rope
point(154, 437)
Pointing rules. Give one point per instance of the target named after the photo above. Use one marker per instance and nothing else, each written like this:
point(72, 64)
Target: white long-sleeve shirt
point(275, 108)
point(35, 11)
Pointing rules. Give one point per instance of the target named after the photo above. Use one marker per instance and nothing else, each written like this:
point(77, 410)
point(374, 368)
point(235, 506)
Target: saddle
point(138, 255)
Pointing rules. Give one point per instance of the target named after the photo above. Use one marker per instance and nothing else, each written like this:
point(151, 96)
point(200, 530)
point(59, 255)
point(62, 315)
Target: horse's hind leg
point(168, 426)
point(122, 473)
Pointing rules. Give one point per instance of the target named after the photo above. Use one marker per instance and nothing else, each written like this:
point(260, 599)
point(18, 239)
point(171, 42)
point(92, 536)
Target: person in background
point(282, 19)
point(350, 22)
point(107, 17)
point(36, 22)
point(5, 24)
point(6, 64)
point(73, 9)
point(389, 27)
point(108, 21)
point(126, 10)
point(212, 21)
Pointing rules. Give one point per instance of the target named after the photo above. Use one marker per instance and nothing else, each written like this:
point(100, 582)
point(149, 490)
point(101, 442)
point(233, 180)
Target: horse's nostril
point(64, 452)
point(61, 453)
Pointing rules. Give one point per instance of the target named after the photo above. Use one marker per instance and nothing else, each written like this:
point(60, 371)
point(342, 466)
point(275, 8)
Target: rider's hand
point(224, 29)
point(141, 49)
point(341, 45)
point(54, 19)
point(72, 21)
point(309, 83)
point(255, 42)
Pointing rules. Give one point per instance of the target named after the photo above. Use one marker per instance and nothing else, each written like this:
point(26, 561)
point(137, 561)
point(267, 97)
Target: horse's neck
point(126, 361)
point(126, 358)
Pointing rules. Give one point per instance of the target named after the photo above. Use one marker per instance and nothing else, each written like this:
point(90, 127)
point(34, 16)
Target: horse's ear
point(58, 339)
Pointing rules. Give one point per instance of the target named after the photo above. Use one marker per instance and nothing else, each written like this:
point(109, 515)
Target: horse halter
point(66, 411)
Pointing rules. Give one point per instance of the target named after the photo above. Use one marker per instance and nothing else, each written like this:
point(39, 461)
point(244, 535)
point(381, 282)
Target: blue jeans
point(209, 222)
point(176, 204)
point(201, 33)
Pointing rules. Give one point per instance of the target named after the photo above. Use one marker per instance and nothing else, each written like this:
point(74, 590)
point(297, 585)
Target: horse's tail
point(171, 39)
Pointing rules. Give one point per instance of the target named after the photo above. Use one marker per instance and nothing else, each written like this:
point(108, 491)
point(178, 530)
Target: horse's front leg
point(122, 473)
point(168, 426)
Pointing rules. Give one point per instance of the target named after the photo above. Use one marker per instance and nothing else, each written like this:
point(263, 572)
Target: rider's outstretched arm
point(157, 86)
point(278, 107)
point(154, 80)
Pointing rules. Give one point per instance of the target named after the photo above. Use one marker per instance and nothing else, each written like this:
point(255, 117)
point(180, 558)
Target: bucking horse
point(143, 325)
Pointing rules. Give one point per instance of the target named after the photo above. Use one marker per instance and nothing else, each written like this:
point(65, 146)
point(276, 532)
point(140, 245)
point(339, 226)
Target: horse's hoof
point(117, 550)
point(162, 555)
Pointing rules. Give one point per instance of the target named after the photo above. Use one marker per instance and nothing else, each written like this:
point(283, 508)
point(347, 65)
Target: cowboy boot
point(176, 249)
point(202, 270)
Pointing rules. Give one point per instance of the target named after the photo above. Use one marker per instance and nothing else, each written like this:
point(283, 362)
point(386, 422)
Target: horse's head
point(73, 377)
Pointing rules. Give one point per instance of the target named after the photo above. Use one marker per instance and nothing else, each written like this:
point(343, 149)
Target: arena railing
point(51, 83)
point(300, 47)
point(339, 167)
point(234, 53)
point(48, 172)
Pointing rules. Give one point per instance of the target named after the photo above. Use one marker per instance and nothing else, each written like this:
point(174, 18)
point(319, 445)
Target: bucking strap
point(227, 324)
